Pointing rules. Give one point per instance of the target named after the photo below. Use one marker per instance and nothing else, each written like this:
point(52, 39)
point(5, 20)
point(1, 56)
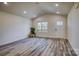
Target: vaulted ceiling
point(35, 9)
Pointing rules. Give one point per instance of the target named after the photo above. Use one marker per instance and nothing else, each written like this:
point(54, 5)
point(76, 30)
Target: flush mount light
point(56, 4)
point(5, 3)
point(25, 12)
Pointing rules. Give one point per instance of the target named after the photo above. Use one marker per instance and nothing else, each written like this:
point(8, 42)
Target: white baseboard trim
point(77, 51)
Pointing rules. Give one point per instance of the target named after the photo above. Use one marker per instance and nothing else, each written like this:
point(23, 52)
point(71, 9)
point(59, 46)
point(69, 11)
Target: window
point(42, 26)
point(59, 23)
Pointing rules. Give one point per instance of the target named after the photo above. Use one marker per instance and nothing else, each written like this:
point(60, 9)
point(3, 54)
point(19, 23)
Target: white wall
point(52, 19)
point(13, 28)
point(73, 28)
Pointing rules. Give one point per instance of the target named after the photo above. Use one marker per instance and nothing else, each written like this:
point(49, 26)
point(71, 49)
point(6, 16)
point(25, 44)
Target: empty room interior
point(39, 28)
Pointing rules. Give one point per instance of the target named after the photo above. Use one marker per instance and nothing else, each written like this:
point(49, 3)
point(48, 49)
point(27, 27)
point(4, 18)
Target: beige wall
point(52, 19)
point(73, 28)
point(13, 28)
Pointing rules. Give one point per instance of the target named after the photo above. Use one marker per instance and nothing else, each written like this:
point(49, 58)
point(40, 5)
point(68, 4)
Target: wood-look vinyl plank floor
point(38, 47)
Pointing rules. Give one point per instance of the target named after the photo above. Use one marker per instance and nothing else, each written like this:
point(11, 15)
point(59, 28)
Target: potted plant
point(32, 32)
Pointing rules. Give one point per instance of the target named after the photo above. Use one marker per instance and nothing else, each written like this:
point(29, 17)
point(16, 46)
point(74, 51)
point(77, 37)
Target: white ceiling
point(35, 9)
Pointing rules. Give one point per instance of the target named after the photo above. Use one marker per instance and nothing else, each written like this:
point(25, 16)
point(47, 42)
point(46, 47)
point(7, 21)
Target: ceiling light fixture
point(25, 12)
point(57, 5)
point(5, 3)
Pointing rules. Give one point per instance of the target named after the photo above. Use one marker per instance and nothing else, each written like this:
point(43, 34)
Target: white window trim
point(41, 29)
